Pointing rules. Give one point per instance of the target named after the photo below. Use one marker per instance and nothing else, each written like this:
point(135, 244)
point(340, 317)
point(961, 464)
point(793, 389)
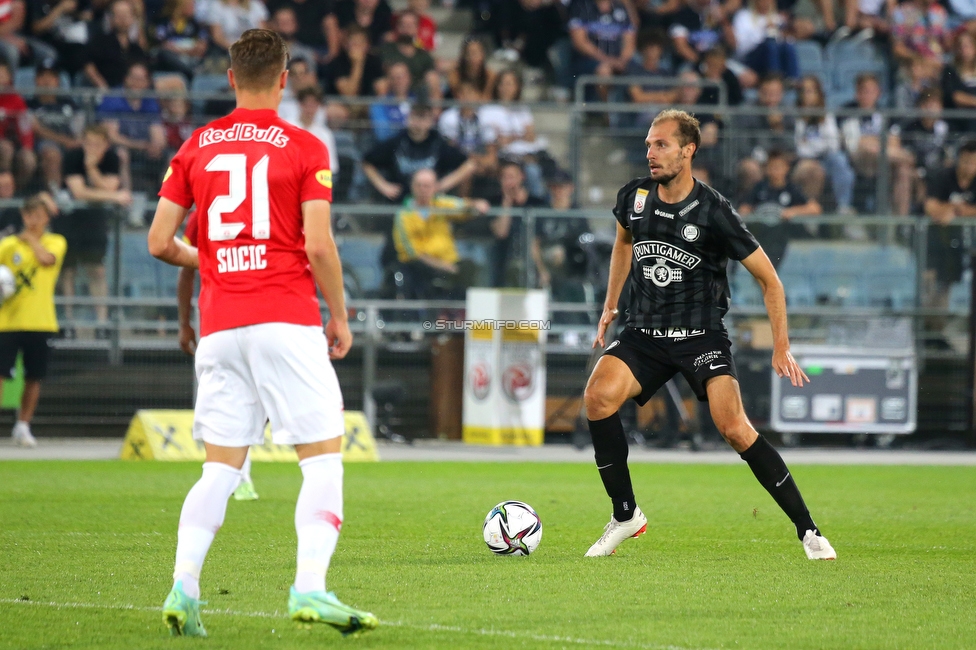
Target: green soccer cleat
point(182, 613)
point(322, 607)
point(245, 492)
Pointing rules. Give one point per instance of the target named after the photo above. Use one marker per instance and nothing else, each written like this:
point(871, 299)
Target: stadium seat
point(811, 59)
point(846, 60)
point(363, 255)
point(24, 79)
point(207, 83)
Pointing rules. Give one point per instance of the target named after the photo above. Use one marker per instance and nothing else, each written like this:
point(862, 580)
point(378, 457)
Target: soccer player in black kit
point(675, 236)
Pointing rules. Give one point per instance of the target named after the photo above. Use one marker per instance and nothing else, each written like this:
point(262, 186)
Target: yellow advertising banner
point(168, 435)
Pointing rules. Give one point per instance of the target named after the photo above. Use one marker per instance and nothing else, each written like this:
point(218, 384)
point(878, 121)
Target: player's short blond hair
point(689, 129)
point(258, 58)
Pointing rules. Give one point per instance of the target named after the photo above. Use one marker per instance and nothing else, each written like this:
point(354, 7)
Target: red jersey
point(248, 174)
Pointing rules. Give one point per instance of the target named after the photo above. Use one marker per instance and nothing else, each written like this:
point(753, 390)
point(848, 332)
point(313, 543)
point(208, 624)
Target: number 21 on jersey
point(235, 164)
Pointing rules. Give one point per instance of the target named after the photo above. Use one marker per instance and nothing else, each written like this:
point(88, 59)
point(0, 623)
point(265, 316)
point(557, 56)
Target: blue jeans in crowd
point(841, 176)
point(773, 55)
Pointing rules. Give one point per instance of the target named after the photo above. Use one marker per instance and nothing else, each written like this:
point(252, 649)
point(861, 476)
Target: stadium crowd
point(765, 53)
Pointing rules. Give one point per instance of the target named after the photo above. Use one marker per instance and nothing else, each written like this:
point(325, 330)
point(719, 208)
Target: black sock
point(768, 466)
point(610, 449)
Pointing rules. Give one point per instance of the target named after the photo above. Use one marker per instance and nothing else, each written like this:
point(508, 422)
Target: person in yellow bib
point(27, 318)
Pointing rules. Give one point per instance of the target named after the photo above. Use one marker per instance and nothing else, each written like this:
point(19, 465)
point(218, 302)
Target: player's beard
point(665, 177)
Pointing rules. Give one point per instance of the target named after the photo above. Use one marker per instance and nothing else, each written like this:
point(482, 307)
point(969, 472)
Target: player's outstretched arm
point(163, 244)
point(323, 259)
point(774, 296)
point(619, 269)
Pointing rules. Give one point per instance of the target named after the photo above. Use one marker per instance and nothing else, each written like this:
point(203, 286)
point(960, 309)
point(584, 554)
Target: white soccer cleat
point(616, 532)
point(22, 436)
point(817, 547)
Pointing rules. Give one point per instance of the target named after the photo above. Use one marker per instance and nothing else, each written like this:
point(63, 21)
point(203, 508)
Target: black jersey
point(678, 272)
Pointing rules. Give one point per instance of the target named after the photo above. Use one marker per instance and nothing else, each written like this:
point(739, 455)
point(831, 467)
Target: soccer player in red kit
point(263, 190)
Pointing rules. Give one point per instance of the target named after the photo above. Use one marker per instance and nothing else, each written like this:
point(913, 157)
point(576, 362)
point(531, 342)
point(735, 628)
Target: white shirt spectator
point(320, 129)
point(234, 20)
point(450, 127)
point(814, 140)
point(511, 123)
point(752, 28)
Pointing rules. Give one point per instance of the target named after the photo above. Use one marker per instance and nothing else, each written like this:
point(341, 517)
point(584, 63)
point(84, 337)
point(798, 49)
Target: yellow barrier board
point(168, 435)
point(502, 436)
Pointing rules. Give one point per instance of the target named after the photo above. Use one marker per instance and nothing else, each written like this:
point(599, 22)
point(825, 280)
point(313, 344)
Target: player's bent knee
point(600, 401)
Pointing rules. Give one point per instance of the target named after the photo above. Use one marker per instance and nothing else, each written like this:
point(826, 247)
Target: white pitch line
point(433, 627)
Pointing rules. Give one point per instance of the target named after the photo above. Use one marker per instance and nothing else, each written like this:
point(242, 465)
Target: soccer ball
point(512, 528)
point(8, 283)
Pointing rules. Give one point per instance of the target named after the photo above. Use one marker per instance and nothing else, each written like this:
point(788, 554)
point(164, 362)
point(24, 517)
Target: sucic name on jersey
point(242, 258)
point(273, 135)
point(667, 251)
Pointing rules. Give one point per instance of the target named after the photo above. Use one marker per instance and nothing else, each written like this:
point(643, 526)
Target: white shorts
point(272, 371)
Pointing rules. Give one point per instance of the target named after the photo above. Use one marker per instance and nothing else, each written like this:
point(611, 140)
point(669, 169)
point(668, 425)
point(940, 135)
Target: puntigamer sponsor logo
point(667, 251)
point(273, 135)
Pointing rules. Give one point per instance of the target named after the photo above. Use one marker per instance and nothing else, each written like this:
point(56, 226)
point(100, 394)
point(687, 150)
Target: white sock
point(201, 518)
point(22, 425)
point(246, 469)
point(318, 519)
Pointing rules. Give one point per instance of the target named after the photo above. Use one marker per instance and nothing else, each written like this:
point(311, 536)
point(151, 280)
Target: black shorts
point(654, 358)
point(36, 349)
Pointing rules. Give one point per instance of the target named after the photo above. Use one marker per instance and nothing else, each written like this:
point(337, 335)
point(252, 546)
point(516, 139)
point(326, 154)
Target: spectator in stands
point(603, 39)
point(651, 45)
point(111, 54)
point(390, 119)
point(312, 118)
point(557, 252)
point(959, 79)
point(62, 25)
point(405, 48)
point(462, 127)
point(869, 17)
point(182, 42)
point(699, 26)
point(862, 139)
point(57, 123)
point(761, 40)
point(177, 124)
point(472, 67)
point(714, 67)
point(927, 137)
point(818, 147)
point(16, 131)
point(921, 30)
point(789, 201)
point(285, 22)
point(16, 45)
point(964, 12)
point(374, 16)
point(424, 239)
point(391, 164)
point(514, 198)
point(427, 26)
point(758, 134)
point(10, 221)
point(355, 72)
point(91, 174)
point(916, 79)
point(951, 195)
point(300, 76)
point(135, 125)
point(311, 18)
point(514, 127)
point(228, 19)
point(530, 28)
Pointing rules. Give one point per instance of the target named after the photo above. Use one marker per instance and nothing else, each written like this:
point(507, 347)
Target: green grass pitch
point(88, 550)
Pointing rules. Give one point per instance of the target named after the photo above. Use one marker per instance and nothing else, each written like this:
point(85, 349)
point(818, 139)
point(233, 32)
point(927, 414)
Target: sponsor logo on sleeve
point(169, 172)
point(324, 177)
point(640, 199)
